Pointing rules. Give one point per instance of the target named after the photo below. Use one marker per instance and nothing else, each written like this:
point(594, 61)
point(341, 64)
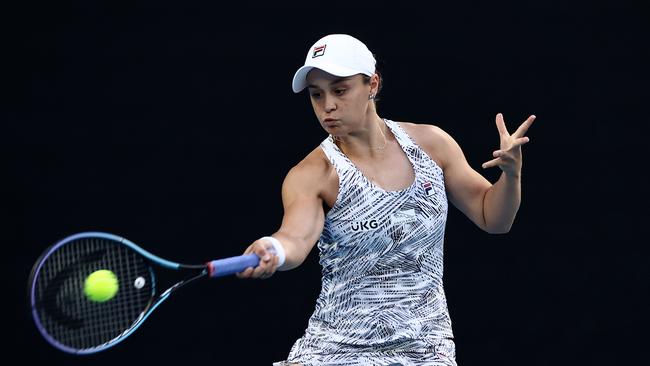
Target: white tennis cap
point(337, 54)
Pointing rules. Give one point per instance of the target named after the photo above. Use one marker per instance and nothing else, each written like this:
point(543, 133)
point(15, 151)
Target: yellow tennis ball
point(101, 285)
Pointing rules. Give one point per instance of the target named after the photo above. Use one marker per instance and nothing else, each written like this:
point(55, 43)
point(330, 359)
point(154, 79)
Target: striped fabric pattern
point(382, 300)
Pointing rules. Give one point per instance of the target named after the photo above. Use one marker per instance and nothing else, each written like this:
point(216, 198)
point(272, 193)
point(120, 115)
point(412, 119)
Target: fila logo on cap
point(347, 56)
point(428, 188)
point(318, 51)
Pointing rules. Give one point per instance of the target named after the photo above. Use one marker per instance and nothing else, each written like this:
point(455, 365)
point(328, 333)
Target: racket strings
point(65, 312)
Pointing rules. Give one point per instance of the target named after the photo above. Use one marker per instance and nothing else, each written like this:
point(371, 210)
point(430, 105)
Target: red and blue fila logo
point(428, 188)
point(318, 51)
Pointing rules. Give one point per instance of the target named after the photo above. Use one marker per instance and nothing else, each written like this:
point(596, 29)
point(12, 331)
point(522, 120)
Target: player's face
point(340, 103)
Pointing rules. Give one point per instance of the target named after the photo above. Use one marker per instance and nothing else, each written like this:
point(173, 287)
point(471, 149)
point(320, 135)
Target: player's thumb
point(262, 252)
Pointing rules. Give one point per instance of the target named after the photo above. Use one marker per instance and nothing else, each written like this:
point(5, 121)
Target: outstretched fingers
point(501, 125)
point(508, 157)
point(523, 128)
point(520, 141)
point(491, 163)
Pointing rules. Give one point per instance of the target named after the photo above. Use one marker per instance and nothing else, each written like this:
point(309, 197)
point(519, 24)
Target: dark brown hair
point(366, 80)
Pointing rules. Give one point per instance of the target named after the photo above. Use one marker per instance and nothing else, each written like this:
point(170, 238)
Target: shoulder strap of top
point(402, 137)
point(335, 156)
point(416, 154)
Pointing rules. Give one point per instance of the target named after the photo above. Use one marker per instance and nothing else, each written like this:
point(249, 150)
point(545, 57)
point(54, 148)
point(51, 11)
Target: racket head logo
point(139, 282)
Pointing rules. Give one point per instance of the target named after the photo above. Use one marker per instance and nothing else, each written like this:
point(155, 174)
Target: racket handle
point(228, 266)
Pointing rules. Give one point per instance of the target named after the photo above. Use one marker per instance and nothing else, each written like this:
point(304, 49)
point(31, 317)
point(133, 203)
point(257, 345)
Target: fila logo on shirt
point(318, 51)
point(428, 188)
point(365, 225)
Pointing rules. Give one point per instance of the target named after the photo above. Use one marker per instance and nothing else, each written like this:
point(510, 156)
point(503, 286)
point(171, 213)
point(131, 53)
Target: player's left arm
point(492, 207)
point(502, 199)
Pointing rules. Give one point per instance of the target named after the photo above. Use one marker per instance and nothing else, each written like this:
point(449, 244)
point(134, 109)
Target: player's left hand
point(508, 157)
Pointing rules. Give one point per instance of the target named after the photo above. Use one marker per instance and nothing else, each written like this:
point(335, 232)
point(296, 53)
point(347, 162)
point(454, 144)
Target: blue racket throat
point(73, 322)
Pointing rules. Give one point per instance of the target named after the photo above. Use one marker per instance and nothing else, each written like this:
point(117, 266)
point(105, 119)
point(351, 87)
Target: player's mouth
point(330, 122)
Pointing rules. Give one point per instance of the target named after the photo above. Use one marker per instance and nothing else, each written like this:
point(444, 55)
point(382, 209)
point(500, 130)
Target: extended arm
point(303, 218)
point(302, 222)
point(492, 207)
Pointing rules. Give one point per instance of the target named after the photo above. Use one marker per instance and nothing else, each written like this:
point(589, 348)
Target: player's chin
point(332, 130)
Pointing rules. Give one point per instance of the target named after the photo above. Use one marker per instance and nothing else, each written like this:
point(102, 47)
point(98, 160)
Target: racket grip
point(228, 266)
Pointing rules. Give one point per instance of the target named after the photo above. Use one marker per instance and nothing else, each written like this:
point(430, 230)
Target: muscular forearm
point(501, 203)
point(295, 250)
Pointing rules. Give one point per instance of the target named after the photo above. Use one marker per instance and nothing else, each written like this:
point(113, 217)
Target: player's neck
point(369, 141)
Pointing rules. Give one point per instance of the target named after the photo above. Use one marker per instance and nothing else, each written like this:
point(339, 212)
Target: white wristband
point(278, 248)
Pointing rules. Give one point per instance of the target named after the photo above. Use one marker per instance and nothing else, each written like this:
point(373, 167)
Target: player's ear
point(374, 84)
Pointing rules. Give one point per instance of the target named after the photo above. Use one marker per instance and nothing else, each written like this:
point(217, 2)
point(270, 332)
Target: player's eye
point(339, 91)
point(315, 95)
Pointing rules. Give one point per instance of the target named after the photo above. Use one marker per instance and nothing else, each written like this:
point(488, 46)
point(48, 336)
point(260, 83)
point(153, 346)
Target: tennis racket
point(73, 322)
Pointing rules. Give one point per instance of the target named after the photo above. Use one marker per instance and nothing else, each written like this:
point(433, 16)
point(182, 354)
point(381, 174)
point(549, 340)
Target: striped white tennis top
point(382, 299)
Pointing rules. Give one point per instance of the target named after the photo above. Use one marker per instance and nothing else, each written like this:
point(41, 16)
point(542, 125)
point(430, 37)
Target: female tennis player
point(373, 196)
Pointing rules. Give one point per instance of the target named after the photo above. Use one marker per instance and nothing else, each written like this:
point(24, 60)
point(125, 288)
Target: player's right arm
point(303, 218)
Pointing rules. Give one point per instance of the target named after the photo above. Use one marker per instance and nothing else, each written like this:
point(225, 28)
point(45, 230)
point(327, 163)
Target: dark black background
point(174, 127)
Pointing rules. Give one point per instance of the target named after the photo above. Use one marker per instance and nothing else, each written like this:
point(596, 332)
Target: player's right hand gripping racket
point(73, 322)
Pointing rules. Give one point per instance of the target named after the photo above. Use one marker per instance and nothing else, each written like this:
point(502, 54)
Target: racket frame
point(153, 304)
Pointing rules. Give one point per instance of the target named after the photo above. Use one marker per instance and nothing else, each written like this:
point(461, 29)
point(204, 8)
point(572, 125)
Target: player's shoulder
point(426, 132)
point(436, 142)
point(311, 170)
